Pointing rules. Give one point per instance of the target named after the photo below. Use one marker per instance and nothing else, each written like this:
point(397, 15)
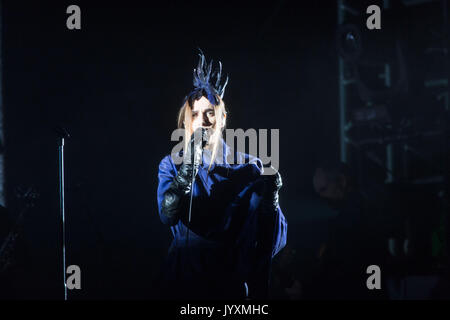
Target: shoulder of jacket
point(167, 163)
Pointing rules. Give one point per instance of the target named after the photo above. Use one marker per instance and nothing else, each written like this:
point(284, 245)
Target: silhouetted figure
point(351, 246)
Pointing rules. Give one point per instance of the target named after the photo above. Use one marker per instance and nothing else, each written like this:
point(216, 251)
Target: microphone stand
point(190, 204)
point(62, 134)
point(204, 137)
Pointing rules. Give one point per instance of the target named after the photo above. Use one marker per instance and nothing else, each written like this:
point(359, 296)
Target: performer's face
point(203, 114)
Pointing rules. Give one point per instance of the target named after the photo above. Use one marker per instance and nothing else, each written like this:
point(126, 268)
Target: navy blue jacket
point(228, 249)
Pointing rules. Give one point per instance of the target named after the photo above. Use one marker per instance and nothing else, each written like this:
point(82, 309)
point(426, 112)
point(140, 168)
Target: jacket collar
point(223, 152)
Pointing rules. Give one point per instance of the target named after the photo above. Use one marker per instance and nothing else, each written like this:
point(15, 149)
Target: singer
point(226, 235)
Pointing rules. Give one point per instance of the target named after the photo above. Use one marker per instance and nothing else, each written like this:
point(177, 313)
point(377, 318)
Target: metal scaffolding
point(348, 84)
point(395, 146)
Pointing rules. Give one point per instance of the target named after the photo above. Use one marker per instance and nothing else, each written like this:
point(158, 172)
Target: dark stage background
point(117, 85)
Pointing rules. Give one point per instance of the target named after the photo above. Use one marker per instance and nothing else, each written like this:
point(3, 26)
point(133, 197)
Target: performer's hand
point(181, 185)
point(192, 160)
point(272, 184)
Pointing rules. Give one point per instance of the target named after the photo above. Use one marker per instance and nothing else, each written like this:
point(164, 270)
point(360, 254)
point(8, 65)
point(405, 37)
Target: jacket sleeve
point(271, 235)
point(280, 232)
point(168, 199)
point(272, 229)
point(272, 223)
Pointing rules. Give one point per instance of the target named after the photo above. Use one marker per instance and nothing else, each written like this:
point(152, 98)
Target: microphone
point(201, 137)
point(206, 134)
point(61, 132)
point(199, 140)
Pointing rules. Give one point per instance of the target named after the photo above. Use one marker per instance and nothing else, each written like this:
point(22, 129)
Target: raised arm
point(276, 223)
point(174, 187)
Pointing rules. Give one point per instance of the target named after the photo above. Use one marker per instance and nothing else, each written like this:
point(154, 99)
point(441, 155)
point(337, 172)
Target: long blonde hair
point(185, 120)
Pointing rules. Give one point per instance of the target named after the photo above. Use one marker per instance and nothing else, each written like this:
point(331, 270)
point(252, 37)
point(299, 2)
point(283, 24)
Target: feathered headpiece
point(207, 83)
